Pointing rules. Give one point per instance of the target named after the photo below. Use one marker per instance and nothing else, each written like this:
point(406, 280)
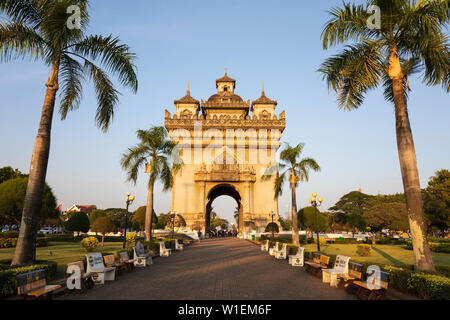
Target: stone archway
point(222, 189)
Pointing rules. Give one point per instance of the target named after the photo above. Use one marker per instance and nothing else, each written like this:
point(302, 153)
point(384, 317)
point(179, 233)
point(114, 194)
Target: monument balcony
point(225, 173)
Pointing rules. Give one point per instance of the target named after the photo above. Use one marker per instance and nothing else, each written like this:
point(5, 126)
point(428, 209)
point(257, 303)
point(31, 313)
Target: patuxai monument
point(226, 144)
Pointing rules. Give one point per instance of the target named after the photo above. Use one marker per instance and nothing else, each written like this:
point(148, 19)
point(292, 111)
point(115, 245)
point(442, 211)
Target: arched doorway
point(223, 189)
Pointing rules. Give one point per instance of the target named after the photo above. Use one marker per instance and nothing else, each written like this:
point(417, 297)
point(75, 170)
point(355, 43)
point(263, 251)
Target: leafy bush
point(429, 286)
point(4, 235)
point(131, 239)
point(8, 281)
point(89, 243)
point(386, 240)
point(363, 250)
point(439, 240)
point(347, 241)
point(12, 242)
point(322, 241)
point(62, 238)
point(443, 247)
point(272, 227)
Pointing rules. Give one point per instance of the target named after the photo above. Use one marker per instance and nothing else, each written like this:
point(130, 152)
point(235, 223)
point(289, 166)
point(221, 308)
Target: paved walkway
point(217, 269)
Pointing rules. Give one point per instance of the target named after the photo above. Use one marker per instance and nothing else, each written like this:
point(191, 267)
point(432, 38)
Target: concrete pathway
point(217, 269)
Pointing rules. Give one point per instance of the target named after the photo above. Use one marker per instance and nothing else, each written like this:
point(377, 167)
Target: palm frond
point(19, 41)
point(71, 77)
point(278, 184)
point(107, 95)
point(116, 57)
point(21, 11)
point(353, 72)
point(346, 23)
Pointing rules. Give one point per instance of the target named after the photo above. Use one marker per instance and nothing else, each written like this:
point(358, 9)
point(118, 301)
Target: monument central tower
point(226, 145)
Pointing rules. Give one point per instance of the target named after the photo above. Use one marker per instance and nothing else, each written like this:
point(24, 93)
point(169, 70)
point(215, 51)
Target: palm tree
point(152, 153)
point(297, 170)
point(411, 39)
point(37, 29)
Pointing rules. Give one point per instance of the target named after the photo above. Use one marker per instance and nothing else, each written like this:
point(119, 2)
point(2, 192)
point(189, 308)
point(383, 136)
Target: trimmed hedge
point(8, 280)
point(12, 242)
point(443, 247)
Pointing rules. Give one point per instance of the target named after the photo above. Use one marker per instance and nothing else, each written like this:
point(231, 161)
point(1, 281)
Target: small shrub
point(363, 250)
point(89, 243)
point(322, 241)
point(131, 239)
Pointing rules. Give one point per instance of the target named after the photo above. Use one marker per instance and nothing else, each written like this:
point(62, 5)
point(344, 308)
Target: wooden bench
point(340, 266)
point(163, 251)
point(297, 259)
point(110, 261)
point(282, 253)
point(33, 284)
point(85, 279)
point(317, 264)
point(273, 249)
point(265, 246)
point(124, 258)
point(375, 287)
point(95, 265)
point(178, 246)
point(346, 279)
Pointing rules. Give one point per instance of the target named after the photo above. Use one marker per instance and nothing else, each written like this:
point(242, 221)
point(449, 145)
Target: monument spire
point(188, 90)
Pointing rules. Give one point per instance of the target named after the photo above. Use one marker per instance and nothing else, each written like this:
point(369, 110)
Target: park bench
point(124, 258)
point(178, 246)
point(163, 251)
point(141, 260)
point(265, 246)
point(346, 279)
point(110, 261)
point(33, 284)
point(319, 262)
point(95, 265)
point(376, 285)
point(340, 266)
point(297, 259)
point(282, 254)
point(273, 249)
point(85, 279)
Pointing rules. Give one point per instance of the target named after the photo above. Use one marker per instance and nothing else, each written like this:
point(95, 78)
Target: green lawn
point(384, 254)
point(63, 253)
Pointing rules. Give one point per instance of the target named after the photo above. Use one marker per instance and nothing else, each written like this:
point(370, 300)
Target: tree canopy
point(78, 222)
point(139, 217)
point(12, 197)
point(437, 201)
point(307, 219)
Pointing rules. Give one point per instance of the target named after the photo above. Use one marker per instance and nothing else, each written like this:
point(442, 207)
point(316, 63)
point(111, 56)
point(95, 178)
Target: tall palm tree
point(38, 29)
point(152, 153)
point(295, 170)
point(411, 39)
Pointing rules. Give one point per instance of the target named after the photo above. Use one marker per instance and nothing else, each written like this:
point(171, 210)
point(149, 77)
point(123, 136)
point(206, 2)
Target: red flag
point(60, 207)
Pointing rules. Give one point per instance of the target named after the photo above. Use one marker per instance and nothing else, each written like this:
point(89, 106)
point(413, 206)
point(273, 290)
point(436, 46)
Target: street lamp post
point(130, 199)
point(173, 223)
point(272, 215)
point(315, 202)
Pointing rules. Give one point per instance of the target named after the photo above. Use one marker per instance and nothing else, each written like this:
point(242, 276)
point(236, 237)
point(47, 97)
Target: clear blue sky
point(275, 42)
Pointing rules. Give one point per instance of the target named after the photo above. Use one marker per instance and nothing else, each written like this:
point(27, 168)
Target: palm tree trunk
point(408, 165)
point(149, 213)
point(295, 239)
point(25, 251)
